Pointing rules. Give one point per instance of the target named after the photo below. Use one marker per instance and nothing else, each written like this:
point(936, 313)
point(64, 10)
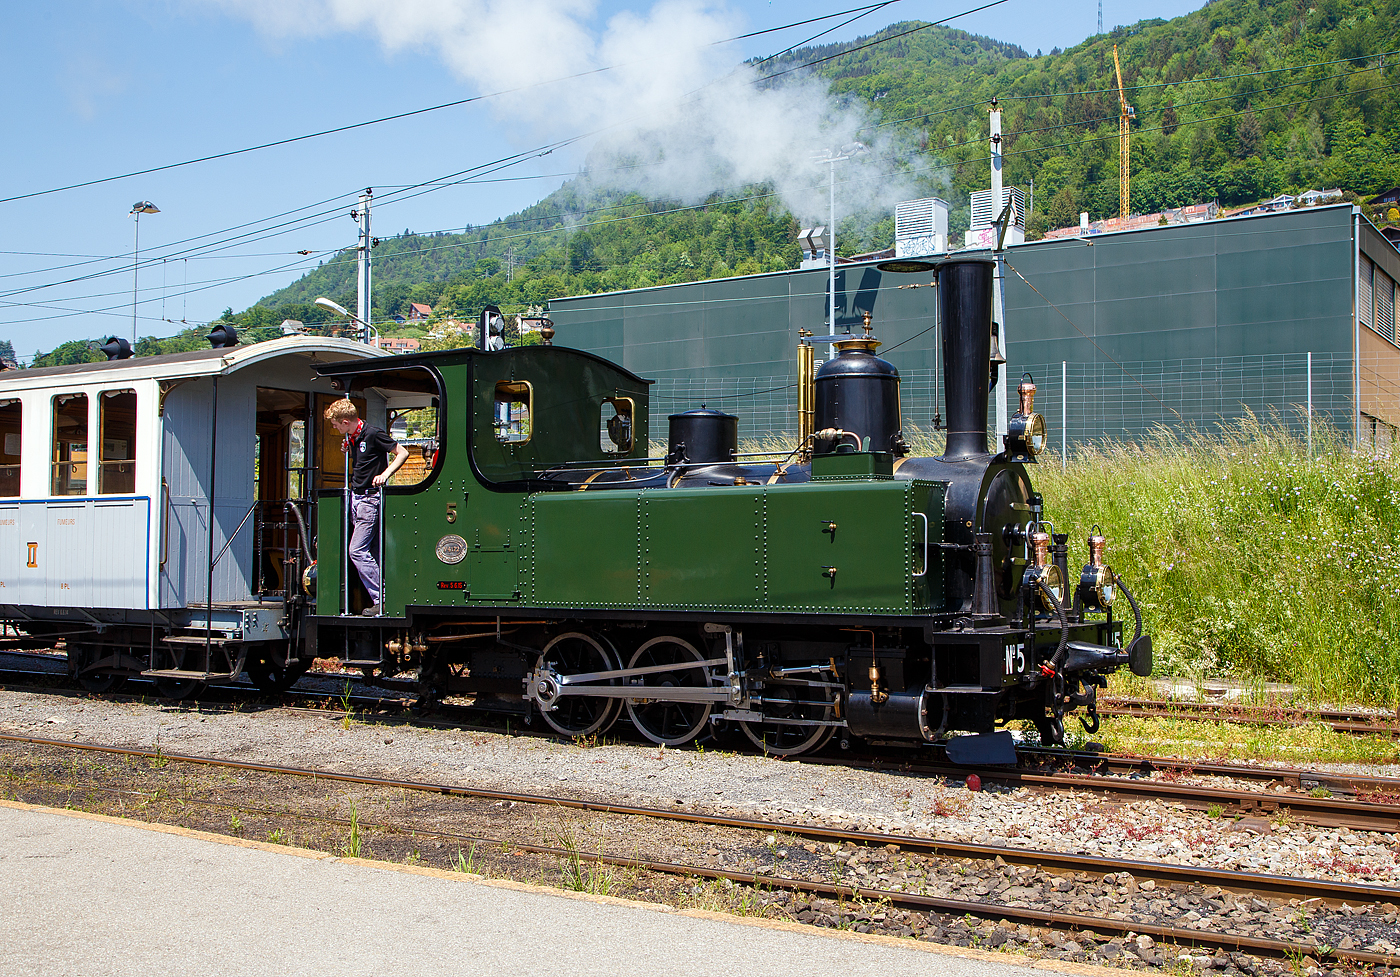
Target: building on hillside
point(1175, 325)
point(399, 344)
point(1311, 198)
point(418, 312)
point(1390, 196)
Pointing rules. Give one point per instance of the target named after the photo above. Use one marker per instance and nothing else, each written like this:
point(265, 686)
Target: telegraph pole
point(362, 305)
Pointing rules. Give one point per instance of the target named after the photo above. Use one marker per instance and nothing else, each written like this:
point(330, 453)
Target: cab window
point(615, 431)
point(70, 444)
point(116, 417)
point(10, 411)
point(417, 430)
point(512, 420)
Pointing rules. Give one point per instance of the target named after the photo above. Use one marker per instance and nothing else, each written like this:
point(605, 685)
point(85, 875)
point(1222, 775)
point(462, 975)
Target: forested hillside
point(1223, 112)
point(1236, 102)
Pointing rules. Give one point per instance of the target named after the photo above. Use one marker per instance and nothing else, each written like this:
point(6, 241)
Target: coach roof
point(195, 363)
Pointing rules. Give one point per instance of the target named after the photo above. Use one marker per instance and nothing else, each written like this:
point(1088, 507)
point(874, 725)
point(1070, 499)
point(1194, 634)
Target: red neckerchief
point(350, 438)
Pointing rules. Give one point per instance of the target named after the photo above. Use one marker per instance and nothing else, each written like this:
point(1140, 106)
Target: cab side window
point(70, 444)
point(116, 416)
point(615, 431)
point(416, 430)
point(512, 419)
point(10, 411)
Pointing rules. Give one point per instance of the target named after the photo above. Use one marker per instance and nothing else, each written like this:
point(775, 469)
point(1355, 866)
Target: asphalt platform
point(89, 895)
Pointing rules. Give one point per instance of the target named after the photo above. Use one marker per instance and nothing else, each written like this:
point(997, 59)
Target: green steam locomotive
point(545, 565)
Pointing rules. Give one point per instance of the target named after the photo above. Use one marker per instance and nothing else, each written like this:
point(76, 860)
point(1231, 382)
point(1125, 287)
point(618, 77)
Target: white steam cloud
point(677, 117)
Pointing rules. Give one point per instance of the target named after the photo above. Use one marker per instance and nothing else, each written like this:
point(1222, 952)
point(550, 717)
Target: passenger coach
point(109, 473)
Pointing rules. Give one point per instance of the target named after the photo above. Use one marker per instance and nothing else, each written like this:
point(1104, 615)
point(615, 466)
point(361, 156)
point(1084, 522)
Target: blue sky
point(96, 88)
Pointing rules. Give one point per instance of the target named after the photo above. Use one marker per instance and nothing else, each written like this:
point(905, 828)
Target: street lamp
point(341, 310)
point(137, 209)
point(832, 157)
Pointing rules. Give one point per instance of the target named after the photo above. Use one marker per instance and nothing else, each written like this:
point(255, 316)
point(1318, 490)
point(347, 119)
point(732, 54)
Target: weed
point(466, 864)
point(581, 872)
point(1302, 920)
point(235, 824)
point(1215, 811)
point(277, 837)
point(1319, 792)
point(351, 849)
point(348, 718)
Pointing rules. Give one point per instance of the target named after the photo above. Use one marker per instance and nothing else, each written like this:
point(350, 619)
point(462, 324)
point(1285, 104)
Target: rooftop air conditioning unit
point(920, 227)
point(985, 213)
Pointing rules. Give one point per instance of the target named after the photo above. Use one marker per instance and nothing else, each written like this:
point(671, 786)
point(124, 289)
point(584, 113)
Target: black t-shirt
point(370, 447)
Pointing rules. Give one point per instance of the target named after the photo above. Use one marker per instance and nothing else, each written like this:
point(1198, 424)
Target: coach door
point(282, 473)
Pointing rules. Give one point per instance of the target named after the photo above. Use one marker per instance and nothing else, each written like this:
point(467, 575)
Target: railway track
point(1340, 721)
point(1278, 887)
point(1320, 798)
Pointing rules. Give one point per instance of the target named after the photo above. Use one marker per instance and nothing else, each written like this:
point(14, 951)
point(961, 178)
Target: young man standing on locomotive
point(370, 470)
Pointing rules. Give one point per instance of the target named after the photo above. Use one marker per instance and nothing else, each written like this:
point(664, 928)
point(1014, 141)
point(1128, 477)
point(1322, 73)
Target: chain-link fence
point(1084, 402)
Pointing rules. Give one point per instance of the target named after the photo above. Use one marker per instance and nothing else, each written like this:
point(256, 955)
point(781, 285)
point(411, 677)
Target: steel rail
point(1352, 813)
point(1358, 814)
point(893, 897)
point(1282, 886)
point(1356, 723)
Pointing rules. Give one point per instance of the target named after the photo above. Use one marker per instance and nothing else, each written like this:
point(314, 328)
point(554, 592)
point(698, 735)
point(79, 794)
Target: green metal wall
point(1181, 323)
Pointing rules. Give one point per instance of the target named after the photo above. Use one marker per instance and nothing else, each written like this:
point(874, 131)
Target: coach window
point(9, 447)
point(70, 444)
point(117, 420)
point(512, 418)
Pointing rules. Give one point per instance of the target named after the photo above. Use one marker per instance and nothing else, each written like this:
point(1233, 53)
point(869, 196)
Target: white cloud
point(671, 98)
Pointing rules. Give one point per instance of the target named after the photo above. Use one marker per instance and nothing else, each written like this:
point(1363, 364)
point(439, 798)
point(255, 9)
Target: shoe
point(371, 611)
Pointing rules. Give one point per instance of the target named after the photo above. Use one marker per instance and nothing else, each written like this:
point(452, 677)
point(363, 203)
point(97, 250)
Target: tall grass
point(1249, 558)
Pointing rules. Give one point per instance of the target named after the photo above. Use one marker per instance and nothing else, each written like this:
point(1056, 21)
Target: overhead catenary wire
point(1006, 154)
point(265, 232)
point(545, 152)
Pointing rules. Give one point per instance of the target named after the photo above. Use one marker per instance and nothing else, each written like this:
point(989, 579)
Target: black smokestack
point(965, 308)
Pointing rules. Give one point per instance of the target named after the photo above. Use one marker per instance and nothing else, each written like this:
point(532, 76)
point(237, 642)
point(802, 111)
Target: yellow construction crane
point(1125, 113)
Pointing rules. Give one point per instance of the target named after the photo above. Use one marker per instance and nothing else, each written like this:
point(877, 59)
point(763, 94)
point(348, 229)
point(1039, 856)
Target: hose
point(1053, 665)
point(1137, 613)
point(305, 538)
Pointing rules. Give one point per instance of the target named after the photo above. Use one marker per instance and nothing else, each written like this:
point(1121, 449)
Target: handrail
point(924, 517)
point(165, 524)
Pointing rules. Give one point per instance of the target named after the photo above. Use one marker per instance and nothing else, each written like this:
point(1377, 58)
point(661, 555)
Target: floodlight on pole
point(341, 310)
point(137, 209)
point(832, 157)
